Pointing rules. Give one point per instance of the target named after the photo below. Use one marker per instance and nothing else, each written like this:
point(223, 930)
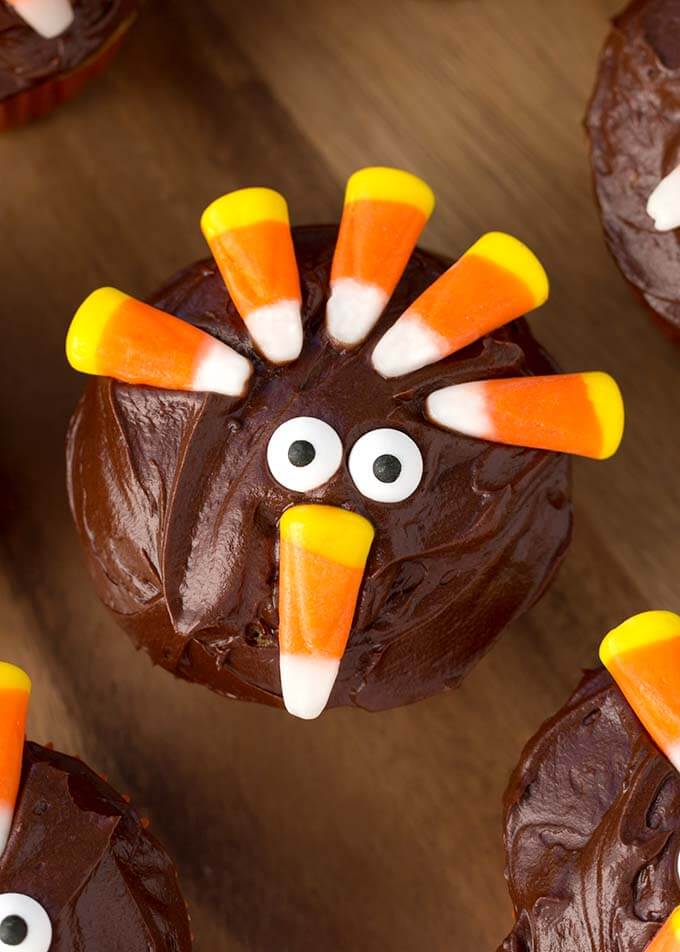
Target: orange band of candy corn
point(323, 553)
point(667, 938)
point(497, 280)
point(568, 413)
point(385, 212)
point(49, 18)
point(114, 335)
point(15, 691)
point(248, 232)
point(643, 657)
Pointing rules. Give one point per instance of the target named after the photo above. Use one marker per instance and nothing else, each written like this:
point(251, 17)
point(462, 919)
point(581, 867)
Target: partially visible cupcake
point(592, 812)
point(78, 868)
point(49, 49)
point(633, 123)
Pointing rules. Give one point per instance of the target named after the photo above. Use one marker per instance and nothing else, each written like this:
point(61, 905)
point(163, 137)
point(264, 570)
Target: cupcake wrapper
point(41, 99)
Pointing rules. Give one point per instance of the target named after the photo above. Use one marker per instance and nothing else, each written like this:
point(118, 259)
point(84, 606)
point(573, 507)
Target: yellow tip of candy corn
point(513, 255)
point(605, 396)
point(240, 209)
point(87, 328)
point(13, 678)
point(379, 183)
point(336, 534)
point(644, 629)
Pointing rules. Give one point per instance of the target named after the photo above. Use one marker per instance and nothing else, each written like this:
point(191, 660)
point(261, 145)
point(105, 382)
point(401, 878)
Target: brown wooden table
point(357, 832)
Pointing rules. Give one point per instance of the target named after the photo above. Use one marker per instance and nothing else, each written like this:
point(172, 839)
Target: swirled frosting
point(634, 127)
point(81, 851)
point(26, 58)
point(178, 512)
point(592, 830)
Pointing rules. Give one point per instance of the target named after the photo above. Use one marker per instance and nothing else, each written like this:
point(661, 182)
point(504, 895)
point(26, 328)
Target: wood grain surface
point(357, 832)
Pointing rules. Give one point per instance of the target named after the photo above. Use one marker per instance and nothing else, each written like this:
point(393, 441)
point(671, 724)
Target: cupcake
point(78, 868)
point(592, 812)
point(319, 468)
point(632, 122)
point(49, 49)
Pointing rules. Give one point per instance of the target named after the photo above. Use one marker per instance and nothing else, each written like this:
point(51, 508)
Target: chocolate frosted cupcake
point(633, 123)
point(78, 869)
point(348, 506)
point(49, 49)
point(592, 812)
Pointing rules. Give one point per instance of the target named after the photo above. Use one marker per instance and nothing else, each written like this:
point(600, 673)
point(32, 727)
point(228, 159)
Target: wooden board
point(357, 832)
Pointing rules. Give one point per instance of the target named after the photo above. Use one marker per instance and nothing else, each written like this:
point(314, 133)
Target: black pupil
point(387, 468)
point(13, 930)
point(301, 453)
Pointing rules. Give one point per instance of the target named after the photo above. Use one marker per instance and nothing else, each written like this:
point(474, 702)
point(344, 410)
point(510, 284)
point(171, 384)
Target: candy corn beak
point(322, 562)
point(49, 18)
point(15, 691)
point(667, 938)
point(581, 414)
point(643, 657)
point(664, 202)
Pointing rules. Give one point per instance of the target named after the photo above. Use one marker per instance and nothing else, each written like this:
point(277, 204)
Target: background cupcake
point(49, 49)
point(78, 868)
point(592, 826)
point(633, 123)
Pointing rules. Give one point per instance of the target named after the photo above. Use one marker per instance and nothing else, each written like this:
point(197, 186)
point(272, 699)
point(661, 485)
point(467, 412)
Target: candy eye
point(24, 924)
point(386, 465)
point(304, 453)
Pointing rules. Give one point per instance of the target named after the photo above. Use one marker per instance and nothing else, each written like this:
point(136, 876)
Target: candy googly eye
point(304, 453)
point(386, 465)
point(24, 924)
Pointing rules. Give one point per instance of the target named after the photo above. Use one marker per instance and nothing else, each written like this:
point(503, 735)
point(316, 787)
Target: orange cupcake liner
point(39, 100)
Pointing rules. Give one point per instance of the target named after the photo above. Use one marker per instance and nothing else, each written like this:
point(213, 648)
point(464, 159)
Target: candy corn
point(49, 18)
point(667, 938)
point(568, 413)
point(114, 335)
point(664, 202)
point(497, 280)
point(15, 691)
point(385, 212)
point(643, 657)
point(322, 561)
point(249, 235)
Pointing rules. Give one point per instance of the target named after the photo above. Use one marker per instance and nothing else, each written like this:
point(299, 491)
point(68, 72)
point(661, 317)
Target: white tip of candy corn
point(462, 408)
point(353, 310)
point(49, 18)
point(6, 817)
point(407, 346)
point(664, 202)
point(306, 683)
point(222, 370)
point(277, 331)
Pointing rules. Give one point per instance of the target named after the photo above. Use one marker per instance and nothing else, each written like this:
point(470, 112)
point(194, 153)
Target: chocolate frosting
point(82, 852)
point(634, 128)
point(179, 515)
point(26, 58)
point(592, 832)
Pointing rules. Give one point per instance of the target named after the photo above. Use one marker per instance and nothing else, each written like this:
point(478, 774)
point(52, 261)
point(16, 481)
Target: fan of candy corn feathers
point(324, 549)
